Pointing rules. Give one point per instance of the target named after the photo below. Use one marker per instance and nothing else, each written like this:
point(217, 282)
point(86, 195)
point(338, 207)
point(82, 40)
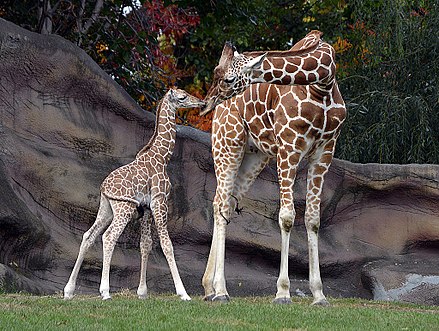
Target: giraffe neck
point(315, 67)
point(162, 141)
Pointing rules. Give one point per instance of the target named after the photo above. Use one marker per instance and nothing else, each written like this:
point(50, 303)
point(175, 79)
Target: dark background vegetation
point(387, 52)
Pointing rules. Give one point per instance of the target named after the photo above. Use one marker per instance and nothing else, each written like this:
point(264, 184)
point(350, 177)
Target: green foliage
point(391, 85)
point(251, 25)
point(20, 312)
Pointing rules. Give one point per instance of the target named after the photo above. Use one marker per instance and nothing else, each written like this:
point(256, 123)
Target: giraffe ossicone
point(139, 189)
point(258, 122)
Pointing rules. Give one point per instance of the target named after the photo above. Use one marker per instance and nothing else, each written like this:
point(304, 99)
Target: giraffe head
point(231, 77)
point(181, 99)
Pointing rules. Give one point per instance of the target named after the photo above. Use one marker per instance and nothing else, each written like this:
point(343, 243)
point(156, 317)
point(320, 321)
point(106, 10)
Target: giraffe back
point(136, 180)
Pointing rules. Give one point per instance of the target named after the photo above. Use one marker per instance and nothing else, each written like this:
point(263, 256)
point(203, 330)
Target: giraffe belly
point(251, 146)
point(257, 144)
point(143, 198)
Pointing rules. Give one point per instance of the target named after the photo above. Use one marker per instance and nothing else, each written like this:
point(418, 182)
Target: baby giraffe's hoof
point(68, 292)
point(185, 297)
point(68, 295)
point(221, 298)
point(322, 302)
point(209, 297)
point(282, 301)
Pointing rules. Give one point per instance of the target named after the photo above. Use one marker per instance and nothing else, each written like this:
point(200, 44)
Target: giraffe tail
point(140, 211)
point(139, 207)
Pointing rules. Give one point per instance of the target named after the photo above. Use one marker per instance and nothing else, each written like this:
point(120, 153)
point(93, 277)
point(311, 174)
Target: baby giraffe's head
point(181, 99)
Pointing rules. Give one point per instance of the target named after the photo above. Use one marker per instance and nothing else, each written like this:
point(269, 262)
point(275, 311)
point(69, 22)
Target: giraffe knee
point(109, 235)
point(86, 236)
point(167, 248)
point(312, 224)
point(88, 239)
point(286, 219)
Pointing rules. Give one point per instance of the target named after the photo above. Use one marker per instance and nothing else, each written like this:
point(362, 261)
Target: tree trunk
point(45, 25)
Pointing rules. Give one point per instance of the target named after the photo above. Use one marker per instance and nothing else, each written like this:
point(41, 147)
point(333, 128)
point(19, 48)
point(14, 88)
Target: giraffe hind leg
point(103, 218)
point(318, 167)
point(145, 249)
point(286, 176)
point(123, 212)
point(250, 168)
point(160, 210)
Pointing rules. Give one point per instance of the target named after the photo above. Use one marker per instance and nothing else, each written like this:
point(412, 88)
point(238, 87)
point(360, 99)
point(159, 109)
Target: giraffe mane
point(154, 135)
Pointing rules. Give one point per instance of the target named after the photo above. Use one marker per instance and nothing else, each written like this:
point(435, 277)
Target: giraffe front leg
point(228, 149)
point(317, 169)
point(102, 220)
point(160, 209)
point(226, 173)
point(209, 273)
point(251, 165)
point(221, 217)
point(145, 249)
point(122, 215)
point(287, 168)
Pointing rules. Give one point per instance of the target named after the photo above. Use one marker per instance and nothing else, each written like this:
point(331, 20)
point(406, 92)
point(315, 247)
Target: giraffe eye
point(230, 79)
point(182, 97)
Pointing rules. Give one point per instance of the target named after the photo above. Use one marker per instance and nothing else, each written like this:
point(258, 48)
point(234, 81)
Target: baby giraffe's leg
point(123, 212)
point(160, 210)
point(145, 249)
point(102, 220)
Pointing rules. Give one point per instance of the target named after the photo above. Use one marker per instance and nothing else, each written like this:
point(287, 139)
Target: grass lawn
point(166, 312)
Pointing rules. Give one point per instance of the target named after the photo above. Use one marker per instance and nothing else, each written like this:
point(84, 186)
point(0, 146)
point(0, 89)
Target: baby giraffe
point(132, 188)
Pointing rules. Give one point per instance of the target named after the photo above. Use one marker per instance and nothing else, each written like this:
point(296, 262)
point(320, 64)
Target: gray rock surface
point(408, 278)
point(64, 125)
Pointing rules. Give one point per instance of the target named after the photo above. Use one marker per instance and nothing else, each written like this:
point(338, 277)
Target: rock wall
point(65, 124)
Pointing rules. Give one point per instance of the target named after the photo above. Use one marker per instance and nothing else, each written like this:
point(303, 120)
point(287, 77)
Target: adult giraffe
point(268, 121)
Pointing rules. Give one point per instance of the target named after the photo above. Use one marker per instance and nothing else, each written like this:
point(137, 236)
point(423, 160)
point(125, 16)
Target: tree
point(131, 42)
point(390, 82)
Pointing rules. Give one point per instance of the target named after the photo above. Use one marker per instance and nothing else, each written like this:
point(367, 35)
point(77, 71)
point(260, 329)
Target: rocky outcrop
point(409, 278)
point(64, 125)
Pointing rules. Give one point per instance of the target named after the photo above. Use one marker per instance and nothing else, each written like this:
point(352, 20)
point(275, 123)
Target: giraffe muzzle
point(208, 106)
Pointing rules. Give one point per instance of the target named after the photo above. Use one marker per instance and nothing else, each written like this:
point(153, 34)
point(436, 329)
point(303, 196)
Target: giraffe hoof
point(185, 298)
point(221, 298)
point(282, 301)
point(68, 295)
point(68, 292)
point(106, 298)
point(142, 296)
point(209, 297)
point(321, 302)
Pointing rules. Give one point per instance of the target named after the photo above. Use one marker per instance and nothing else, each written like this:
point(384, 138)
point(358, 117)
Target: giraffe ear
point(254, 63)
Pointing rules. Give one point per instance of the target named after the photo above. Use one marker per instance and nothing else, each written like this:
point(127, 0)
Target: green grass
point(126, 312)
